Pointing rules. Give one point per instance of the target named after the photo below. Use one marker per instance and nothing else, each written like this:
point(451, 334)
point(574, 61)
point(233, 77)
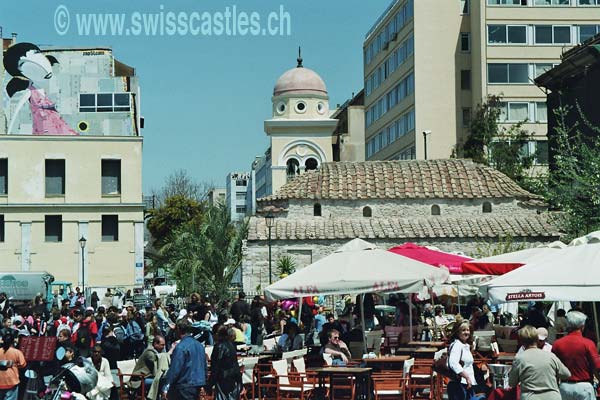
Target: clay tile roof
point(412, 179)
point(318, 228)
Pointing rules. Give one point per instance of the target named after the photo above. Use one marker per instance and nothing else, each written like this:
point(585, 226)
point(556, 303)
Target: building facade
point(71, 167)
point(429, 63)
point(455, 205)
point(235, 197)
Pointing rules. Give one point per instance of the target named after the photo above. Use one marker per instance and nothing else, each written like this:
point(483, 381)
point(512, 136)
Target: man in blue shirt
point(187, 372)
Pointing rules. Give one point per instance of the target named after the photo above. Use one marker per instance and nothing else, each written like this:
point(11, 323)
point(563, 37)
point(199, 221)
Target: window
point(588, 2)
point(111, 177)
point(552, 2)
point(241, 182)
point(435, 210)
point(487, 207)
point(311, 164)
point(53, 228)
point(508, 73)
point(507, 2)
point(1, 228)
point(518, 111)
point(240, 209)
point(587, 31)
point(317, 210)
point(507, 34)
point(55, 177)
point(110, 228)
point(541, 112)
point(3, 176)
point(541, 152)
point(367, 212)
point(541, 68)
point(465, 42)
point(465, 79)
point(240, 196)
point(104, 102)
point(464, 7)
point(293, 167)
point(549, 34)
point(466, 117)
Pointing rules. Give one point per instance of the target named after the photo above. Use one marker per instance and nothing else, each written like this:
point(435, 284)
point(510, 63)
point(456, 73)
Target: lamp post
point(270, 221)
point(82, 243)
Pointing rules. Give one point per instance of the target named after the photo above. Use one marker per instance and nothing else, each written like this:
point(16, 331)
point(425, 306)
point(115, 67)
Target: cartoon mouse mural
point(29, 68)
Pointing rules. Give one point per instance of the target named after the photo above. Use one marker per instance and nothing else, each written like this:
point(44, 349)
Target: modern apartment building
point(235, 198)
point(71, 167)
point(429, 63)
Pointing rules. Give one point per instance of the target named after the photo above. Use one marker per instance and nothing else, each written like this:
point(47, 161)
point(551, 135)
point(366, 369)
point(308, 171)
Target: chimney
point(14, 38)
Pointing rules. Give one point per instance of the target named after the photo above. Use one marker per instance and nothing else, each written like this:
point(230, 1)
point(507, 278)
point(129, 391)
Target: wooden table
point(425, 352)
point(361, 375)
point(418, 343)
point(391, 363)
point(505, 358)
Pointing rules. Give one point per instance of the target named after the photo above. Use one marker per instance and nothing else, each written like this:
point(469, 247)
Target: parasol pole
point(410, 319)
point(458, 296)
point(362, 321)
point(596, 322)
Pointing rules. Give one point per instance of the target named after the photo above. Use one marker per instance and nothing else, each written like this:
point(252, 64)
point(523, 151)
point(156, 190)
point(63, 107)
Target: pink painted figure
point(46, 120)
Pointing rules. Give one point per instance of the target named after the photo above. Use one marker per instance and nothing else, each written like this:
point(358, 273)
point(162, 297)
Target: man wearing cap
point(542, 334)
point(580, 356)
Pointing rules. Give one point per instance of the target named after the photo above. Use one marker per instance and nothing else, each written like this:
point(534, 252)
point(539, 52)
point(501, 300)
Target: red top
point(579, 355)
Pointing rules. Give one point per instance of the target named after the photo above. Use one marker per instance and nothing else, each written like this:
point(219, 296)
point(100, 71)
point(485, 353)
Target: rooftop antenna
point(299, 59)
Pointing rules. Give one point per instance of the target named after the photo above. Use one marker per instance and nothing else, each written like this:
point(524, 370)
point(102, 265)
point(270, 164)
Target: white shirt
point(460, 351)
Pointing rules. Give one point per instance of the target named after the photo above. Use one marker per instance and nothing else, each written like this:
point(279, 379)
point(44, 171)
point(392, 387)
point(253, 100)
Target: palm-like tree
point(208, 253)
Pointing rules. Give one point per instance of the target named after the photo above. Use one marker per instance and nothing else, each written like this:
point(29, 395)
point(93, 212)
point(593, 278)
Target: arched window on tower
point(435, 210)
point(293, 167)
point(367, 212)
point(310, 164)
point(487, 207)
point(317, 210)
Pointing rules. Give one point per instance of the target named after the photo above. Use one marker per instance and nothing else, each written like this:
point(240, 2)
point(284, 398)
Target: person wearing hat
point(542, 335)
point(536, 370)
point(240, 338)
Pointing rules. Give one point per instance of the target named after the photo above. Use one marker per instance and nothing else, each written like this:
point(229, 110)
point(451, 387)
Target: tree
point(574, 186)
point(208, 254)
point(176, 211)
point(500, 147)
point(180, 183)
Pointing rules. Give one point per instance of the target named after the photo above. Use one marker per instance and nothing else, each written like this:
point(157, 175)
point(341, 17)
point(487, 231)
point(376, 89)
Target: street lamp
point(82, 243)
point(270, 221)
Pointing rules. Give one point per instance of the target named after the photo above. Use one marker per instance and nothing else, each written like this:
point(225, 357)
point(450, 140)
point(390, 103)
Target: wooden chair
point(374, 341)
point(420, 383)
point(389, 384)
point(125, 374)
point(391, 337)
point(286, 385)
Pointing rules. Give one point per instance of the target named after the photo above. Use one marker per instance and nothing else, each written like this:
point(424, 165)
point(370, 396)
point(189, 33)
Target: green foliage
point(504, 244)
point(286, 265)
point(574, 186)
point(177, 211)
point(500, 147)
point(206, 255)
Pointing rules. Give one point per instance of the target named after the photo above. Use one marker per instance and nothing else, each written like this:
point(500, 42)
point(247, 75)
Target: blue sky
point(204, 98)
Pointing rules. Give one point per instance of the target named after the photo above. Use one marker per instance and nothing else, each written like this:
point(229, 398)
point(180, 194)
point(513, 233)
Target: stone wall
point(416, 208)
point(255, 263)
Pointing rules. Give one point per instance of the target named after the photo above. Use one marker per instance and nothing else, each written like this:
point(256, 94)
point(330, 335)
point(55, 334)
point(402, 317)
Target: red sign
point(526, 296)
point(38, 348)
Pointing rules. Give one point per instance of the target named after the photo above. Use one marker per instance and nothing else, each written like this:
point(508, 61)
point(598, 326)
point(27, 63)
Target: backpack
point(120, 333)
point(84, 336)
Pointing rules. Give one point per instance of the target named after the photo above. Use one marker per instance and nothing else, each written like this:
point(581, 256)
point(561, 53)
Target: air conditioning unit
point(394, 36)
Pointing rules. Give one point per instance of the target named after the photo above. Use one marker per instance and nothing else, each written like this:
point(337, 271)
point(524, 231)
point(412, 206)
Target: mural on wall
point(31, 71)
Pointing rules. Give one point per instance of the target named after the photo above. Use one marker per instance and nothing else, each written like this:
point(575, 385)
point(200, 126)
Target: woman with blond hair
point(536, 370)
point(460, 361)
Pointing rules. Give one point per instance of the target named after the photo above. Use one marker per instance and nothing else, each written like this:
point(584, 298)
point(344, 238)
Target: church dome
point(300, 81)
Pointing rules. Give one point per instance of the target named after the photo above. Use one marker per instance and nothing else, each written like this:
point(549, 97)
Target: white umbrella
point(358, 267)
point(592, 237)
point(572, 273)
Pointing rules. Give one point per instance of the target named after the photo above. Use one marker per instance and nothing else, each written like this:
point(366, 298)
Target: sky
point(206, 85)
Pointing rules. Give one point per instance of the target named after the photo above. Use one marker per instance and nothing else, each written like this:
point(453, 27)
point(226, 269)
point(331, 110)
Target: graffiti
point(31, 70)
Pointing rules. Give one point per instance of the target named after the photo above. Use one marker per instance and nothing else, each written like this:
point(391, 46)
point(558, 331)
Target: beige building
point(429, 63)
point(56, 189)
